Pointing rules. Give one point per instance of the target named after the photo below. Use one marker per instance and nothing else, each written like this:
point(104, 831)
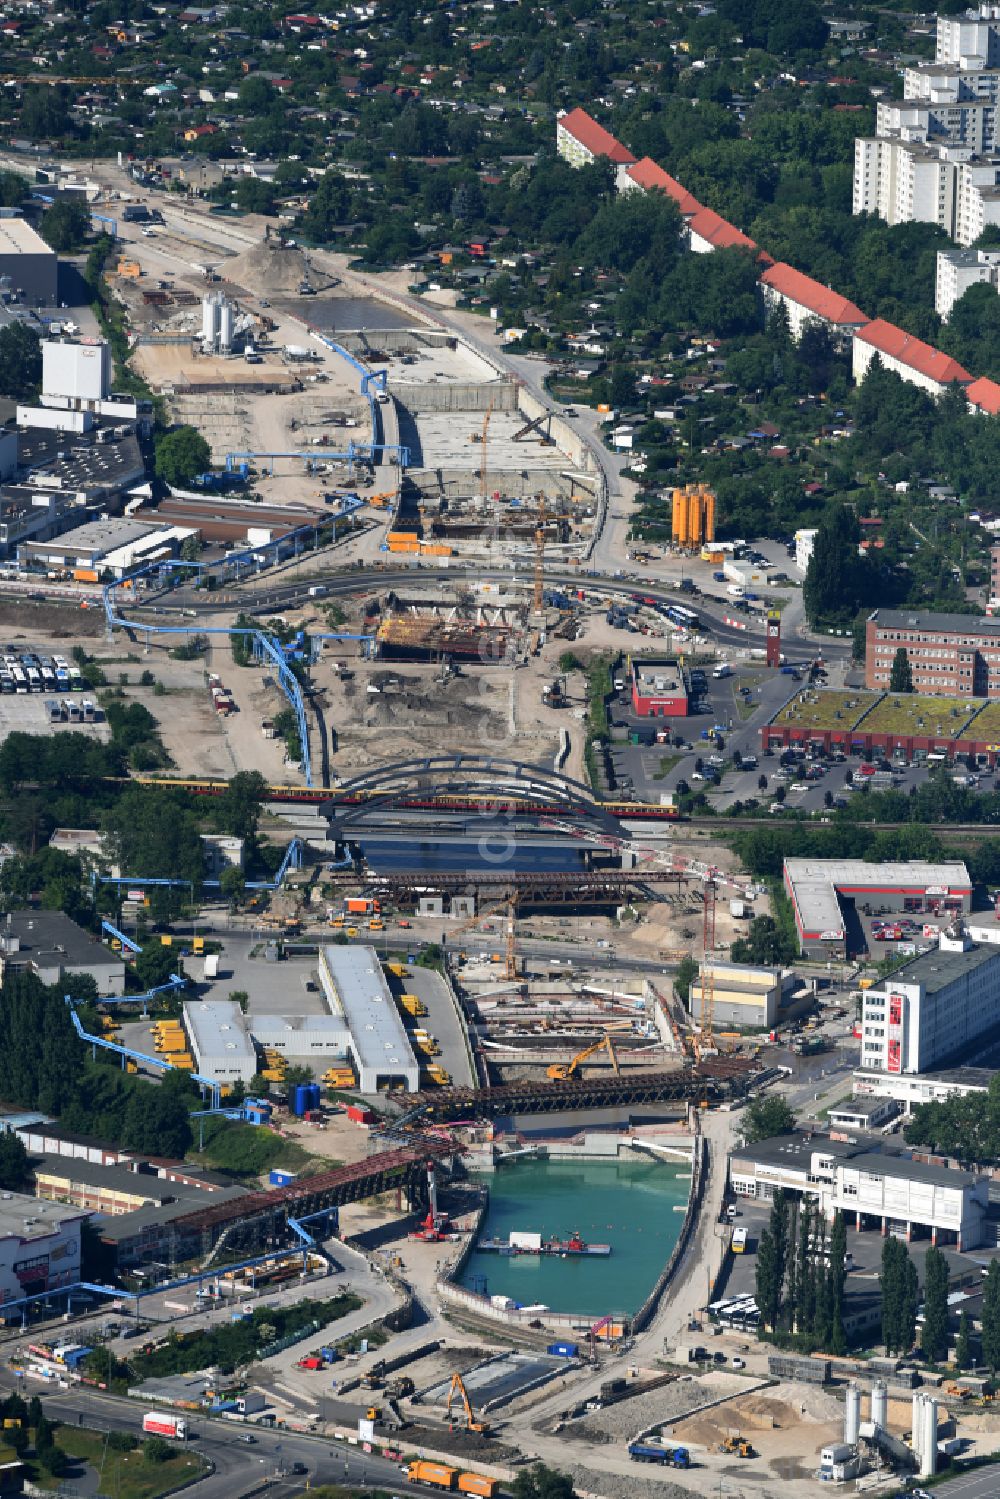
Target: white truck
point(212, 965)
point(159, 1424)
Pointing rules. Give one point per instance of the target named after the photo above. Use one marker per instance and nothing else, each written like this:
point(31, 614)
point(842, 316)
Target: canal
point(635, 1205)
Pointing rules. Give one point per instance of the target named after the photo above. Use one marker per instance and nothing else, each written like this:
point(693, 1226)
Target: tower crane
point(484, 439)
point(457, 1387)
point(706, 1041)
point(562, 1072)
point(507, 906)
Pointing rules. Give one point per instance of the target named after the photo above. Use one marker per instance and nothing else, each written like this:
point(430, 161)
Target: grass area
point(127, 1475)
point(911, 713)
point(247, 1150)
point(812, 709)
point(667, 763)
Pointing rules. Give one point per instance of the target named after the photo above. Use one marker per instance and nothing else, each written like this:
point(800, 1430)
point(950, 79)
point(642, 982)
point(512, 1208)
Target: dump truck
point(665, 1454)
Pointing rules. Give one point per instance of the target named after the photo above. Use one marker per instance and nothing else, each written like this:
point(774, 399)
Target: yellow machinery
point(737, 1447)
point(561, 1072)
point(457, 1387)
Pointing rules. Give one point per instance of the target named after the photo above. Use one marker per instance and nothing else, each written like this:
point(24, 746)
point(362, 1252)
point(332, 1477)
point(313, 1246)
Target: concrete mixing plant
point(693, 516)
point(218, 318)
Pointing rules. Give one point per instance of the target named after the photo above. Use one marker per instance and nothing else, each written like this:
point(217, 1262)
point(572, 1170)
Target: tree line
point(800, 1276)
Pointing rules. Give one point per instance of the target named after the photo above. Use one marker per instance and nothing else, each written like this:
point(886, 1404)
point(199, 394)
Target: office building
point(818, 889)
point(39, 1246)
point(29, 269)
point(51, 946)
point(957, 655)
point(933, 1008)
point(882, 1189)
point(77, 370)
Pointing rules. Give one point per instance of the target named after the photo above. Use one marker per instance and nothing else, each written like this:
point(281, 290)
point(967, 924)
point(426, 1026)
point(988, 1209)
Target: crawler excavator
point(562, 1072)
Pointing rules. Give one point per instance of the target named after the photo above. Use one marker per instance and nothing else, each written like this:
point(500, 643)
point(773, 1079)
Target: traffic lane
point(983, 1483)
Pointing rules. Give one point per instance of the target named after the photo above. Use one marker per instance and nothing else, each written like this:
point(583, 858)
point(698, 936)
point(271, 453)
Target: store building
point(818, 887)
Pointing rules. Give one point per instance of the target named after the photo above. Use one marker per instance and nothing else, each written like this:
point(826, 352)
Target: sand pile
point(274, 268)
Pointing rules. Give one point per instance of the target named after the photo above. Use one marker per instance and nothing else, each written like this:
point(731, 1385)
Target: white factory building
point(39, 1246)
point(875, 1189)
point(931, 1009)
point(29, 268)
point(356, 990)
point(217, 1033)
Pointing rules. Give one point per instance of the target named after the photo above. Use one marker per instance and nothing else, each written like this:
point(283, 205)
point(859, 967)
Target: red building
point(659, 687)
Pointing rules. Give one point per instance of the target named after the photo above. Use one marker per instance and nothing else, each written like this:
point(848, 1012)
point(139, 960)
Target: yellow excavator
point(457, 1387)
point(562, 1072)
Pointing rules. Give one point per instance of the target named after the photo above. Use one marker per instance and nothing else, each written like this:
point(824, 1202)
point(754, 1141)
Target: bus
point(679, 615)
point(739, 1240)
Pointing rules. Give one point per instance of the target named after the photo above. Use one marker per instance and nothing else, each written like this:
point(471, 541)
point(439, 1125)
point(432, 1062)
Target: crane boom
point(457, 1387)
point(562, 1072)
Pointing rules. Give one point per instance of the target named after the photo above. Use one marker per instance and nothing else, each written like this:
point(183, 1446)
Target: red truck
point(158, 1424)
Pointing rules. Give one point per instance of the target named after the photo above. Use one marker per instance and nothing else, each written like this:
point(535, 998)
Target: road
point(981, 1483)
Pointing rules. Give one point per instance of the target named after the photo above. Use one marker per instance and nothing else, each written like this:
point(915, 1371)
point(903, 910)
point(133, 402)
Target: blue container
point(315, 1095)
point(279, 1178)
point(563, 1350)
point(300, 1100)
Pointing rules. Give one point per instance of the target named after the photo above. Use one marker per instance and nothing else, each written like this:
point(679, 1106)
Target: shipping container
point(476, 1483)
point(563, 1350)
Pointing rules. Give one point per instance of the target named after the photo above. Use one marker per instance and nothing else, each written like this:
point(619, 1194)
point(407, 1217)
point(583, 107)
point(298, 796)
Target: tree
point(233, 885)
point(772, 1255)
point(157, 1450)
point(934, 1337)
point(836, 578)
point(765, 1116)
point(901, 675)
point(155, 964)
point(66, 224)
point(837, 1343)
point(963, 1344)
point(687, 972)
point(20, 362)
point(541, 1482)
point(899, 1297)
point(13, 1163)
point(991, 1317)
point(180, 455)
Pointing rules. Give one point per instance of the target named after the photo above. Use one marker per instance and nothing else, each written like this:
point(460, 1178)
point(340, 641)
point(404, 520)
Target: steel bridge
point(499, 783)
point(544, 887)
point(711, 1080)
point(264, 1218)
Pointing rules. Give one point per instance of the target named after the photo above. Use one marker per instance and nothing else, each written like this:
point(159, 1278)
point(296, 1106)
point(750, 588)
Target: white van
point(722, 670)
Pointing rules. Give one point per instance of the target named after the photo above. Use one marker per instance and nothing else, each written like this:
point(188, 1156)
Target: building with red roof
point(709, 231)
point(580, 140)
point(984, 396)
point(911, 359)
point(808, 301)
point(650, 178)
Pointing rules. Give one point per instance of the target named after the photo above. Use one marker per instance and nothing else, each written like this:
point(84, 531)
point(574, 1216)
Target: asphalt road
point(982, 1483)
point(239, 1466)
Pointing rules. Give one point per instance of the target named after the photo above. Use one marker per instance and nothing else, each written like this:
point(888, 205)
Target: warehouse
point(39, 1246)
point(48, 944)
point(233, 520)
point(744, 995)
point(29, 269)
point(105, 546)
point(356, 990)
point(878, 1189)
point(220, 1044)
point(932, 1009)
point(817, 888)
point(114, 1190)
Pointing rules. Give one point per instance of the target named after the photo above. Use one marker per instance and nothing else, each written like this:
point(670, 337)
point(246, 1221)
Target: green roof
point(908, 713)
point(811, 709)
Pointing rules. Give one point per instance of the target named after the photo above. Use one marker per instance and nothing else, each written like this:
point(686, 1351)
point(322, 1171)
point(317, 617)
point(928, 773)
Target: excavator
point(457, 1387)
point(562, 1072)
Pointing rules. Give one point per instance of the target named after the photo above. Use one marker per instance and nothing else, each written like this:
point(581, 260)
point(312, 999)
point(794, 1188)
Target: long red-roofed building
point(710, 231)
point(580, 140)
point(984, 396)
point(650, 178)
point(909, 357)
point(807, 301)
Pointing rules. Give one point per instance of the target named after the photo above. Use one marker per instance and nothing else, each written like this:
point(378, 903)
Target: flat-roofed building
point(948, 653)
point(39, 1246)
point(816, 888)
point(220, 1042)
point(932, 1009)
point(29, 268)
point(356, 990)
point(744, 994)
point(49, 944)
point(659, 687)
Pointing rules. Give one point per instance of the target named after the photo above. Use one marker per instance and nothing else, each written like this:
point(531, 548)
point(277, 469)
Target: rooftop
point(887, 339)
point(652, 178)
point(217, 1028)
point(986, 724)
point(659, 673)
point(936, 970)
point(985, 394)
point(813, 885)
point(25, 1218)
point(913, 713)
point(120, 1179)
point(970, 625)
point(796, 1152)
point(722, 235)
point(50, 936)
point(17, 237)
point(859, 1108)
point(810, 709)
point(594, 137)
point(100, 536)
point(812, 295)
point(362, 996)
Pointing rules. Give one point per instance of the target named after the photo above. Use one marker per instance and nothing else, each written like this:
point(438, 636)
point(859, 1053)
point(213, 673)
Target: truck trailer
point(159, 1424)
point(654, 1452)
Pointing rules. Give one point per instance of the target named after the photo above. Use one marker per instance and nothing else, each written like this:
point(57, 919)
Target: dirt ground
point(23, 619)
point(788, 1425)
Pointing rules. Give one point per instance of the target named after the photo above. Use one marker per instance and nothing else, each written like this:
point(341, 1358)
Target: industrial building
point(218, 518)
point(29, 268)
point(113, 546)
point(51, 946)
point(818, 887)
point(39, 1246)
point(933, 1008)
point(356, 989)
point(862, 1114)
point(110, 1190)
point(659, 687)
point(220, 1044)
point(744, 995)
point(77, 371)
point(877, 1189)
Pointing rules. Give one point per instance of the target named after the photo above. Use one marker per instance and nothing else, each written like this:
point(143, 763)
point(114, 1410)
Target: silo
point(299, 1100)
point(680, 517)
point(917, 1425)
point(928, 1445)
point(852, 1415)
point(315, 1095)
point(227, 317)
point(694, 515)
point(209, 319)
point(709, 515)
point(880, 1403)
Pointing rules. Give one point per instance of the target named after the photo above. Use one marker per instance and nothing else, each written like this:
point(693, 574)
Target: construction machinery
point(735, 1446)
point(436, 1226)
point(509, 906)
point(457, 1387)
point(562, 1072)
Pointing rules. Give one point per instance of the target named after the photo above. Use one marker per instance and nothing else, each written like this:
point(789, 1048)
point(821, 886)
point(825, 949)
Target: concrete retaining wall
point(699, 1175)
point(458, 395)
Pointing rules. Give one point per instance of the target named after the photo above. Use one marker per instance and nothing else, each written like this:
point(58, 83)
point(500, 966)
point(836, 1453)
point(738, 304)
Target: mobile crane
point(562, 1072)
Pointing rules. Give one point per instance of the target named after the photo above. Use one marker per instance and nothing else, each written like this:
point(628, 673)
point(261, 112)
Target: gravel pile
point(671, 1402)
point(624, 1485)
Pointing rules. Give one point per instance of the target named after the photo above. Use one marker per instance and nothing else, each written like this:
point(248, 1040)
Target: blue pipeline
point(292, 860)
point(107, 926)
